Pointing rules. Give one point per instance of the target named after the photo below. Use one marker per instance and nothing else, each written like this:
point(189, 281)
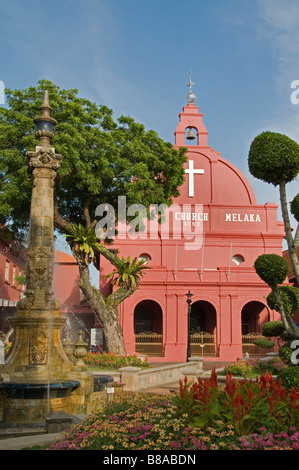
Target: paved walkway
point(19, 443)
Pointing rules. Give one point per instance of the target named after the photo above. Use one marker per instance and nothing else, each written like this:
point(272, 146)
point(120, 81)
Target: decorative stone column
point(37, 353)
point(38, 377)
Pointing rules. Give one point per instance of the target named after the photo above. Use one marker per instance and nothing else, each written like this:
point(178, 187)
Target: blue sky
point(135, 55)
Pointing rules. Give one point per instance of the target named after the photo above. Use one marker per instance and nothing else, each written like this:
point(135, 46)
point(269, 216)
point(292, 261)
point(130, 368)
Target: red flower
point(293, 398)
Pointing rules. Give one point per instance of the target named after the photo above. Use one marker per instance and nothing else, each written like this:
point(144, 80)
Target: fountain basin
point(35, 391)
point(100, 382)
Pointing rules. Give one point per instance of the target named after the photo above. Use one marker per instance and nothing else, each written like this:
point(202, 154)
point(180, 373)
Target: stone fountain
point(38, 378)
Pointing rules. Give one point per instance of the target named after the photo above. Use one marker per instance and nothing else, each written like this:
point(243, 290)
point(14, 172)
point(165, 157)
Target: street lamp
point(45, 123)
point(189, 295)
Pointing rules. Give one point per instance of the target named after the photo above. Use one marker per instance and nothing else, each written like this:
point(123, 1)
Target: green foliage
point(273, 328)
point(272, 269)
point(285, 353)
point(239, 368)
point(273, 158)
point(127, 274)
point(295, 207)
point(290, 377)
point(83, 242)
point(253, 368)
point(242, 404)
point(290, 298)
point(272, 365)
point(264, 343)
point(102, 159)
point(21, 279)
point(114, 361)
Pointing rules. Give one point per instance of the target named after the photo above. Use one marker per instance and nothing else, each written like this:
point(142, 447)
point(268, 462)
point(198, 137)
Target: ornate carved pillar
point(37, 353)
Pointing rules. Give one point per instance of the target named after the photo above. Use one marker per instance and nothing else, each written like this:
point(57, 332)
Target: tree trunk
point(290, 241)
point(106, 310)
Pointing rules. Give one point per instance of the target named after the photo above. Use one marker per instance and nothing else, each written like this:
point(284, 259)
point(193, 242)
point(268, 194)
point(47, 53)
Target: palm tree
point(126, 277)
point(83, 242)
point(128, 274)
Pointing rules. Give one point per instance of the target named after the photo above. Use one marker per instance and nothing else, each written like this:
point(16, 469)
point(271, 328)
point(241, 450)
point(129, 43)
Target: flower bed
point(246, 404)
point(247, 368)
point(254, 415)
point(112, 361)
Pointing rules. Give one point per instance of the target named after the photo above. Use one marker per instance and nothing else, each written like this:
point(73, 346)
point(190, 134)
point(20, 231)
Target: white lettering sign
point(242, 218)
point(96, 336)
point(191, 216)
point(191, 172)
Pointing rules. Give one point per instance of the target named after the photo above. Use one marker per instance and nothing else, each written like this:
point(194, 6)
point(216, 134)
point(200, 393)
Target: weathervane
point(190, 97)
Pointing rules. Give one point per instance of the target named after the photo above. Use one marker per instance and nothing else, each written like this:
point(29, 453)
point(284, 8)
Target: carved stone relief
point(38, 348)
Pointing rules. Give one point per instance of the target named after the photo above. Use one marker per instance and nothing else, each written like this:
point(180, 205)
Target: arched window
point(238, 259)
point(144, 257)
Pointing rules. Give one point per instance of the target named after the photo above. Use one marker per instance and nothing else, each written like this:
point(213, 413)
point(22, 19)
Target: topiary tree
point(273, 269)
point(273, 328)
point(276, 329)
point(264, 343)
point(274, 158)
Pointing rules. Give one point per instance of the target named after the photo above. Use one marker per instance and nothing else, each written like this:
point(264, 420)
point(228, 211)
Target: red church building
point(215, 232)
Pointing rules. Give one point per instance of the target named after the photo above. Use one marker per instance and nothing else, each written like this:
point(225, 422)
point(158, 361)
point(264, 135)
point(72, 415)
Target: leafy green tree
point(274, 158)
point(102, 160)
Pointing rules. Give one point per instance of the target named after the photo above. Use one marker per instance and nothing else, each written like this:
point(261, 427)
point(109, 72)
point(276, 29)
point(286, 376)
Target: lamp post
point(189, 295)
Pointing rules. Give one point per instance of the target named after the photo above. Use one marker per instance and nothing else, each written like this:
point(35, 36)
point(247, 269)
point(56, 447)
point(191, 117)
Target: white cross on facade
point(191, 172)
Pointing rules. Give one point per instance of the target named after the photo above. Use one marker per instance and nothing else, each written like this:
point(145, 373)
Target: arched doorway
point(148, 328)
point(254, 315)
point(202, 329)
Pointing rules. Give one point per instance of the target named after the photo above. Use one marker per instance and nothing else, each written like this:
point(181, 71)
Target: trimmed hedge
point(289, 377)
point(272, 269)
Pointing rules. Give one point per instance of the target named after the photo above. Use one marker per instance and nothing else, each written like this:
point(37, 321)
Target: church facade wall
point(215, 231)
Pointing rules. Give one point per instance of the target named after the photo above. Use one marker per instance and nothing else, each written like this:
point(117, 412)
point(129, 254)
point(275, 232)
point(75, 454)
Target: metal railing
point(148, 343)
point(252, 349)
point(202, 344)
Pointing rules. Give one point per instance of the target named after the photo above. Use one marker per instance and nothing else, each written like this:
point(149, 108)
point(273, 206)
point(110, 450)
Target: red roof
point(60, 257)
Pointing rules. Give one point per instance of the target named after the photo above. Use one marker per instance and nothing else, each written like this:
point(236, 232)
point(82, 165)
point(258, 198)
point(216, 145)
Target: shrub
point(264, 343)
point(290, 377)
point(289, 297)
point(272, 269)
point(273, 328)
point(285, 353)
point(239, 368)
point(272, 365)
point(113, 361)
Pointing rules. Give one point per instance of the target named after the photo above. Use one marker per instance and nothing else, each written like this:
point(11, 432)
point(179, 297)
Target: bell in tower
point(190, 135)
